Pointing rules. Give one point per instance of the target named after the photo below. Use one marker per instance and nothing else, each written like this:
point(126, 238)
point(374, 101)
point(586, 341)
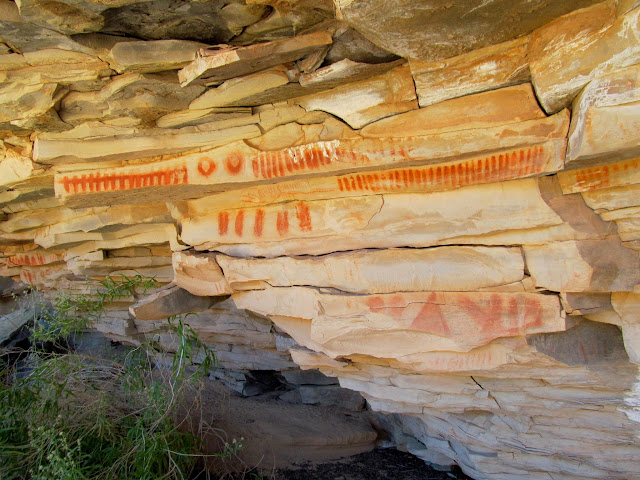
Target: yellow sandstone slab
point(366, 101)
point(237, 162)
point(626, 172)
point(606, 119)
point(567, 53)
point(482, 110)
point(483, 69)
point(394, 325)
point(199, 274)
point(496, 166)
point(582, 266)
point(381, 271)
point(414, 220)
point(124, 147)
point(222, 64)
point(235, 89)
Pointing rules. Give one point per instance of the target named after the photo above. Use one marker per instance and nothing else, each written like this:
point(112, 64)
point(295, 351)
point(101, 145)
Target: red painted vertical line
point(376, 182)
point(403, 153)
point(340, 186)
point(304, 217)
point(365, 182)
point(438, 175)
point(346, 184)
point(404, 178)
point(258, 223)
point(223, 223)
point(519, 164)
point(305, 154)
point(239, 223)
point(537, 161)
point(287, 161)
point(359, 180)
point(270, 165)
point(315, 157)
point(282, 223)
point(532, 160)
point(354, 157)
point(446, 175)
point(263, 162)
point(280, 165)
point(410, 175)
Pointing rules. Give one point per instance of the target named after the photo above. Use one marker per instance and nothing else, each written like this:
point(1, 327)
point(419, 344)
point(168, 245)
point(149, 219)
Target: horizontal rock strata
point(431, 209)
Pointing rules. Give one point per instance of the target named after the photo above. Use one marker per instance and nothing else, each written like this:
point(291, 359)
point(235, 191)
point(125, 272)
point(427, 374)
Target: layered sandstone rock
point(438, 208)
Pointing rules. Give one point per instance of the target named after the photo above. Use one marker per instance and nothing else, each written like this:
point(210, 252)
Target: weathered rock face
point(436, 206)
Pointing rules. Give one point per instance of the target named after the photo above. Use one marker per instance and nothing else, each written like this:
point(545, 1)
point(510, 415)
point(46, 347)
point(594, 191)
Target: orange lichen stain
point(304, 217)
point(239, 223)
point(206, 166)
point(233, 163)
point(223, 223)
point(258, 223)
point(505, 166)
point(282, 223)
point(115, 181)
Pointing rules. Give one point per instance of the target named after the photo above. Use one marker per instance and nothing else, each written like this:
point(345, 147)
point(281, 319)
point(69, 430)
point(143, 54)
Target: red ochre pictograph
point(279, 219)
point(34, 277)
point(274, 164)
point(497, 315)
point(304, 217)
point(282, 223)
point(34, 259)
point(233, 163)
point(239, 223)
point(258, 223)
point(600, 177)
point(111, 182)
point(293, 161)
point(223, 223)
point(492, 168)
point(206, 166)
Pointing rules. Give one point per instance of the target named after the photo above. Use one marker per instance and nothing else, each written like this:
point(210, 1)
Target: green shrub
point(76, 417)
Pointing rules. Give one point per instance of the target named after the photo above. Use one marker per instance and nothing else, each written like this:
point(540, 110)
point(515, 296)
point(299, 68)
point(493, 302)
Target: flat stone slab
point(221, 64)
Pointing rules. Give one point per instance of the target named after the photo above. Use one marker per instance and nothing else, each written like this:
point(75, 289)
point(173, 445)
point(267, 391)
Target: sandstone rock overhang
point(436, 204)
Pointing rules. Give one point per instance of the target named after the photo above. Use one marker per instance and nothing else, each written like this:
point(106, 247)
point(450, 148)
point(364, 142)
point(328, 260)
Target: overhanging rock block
point(169, 302)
